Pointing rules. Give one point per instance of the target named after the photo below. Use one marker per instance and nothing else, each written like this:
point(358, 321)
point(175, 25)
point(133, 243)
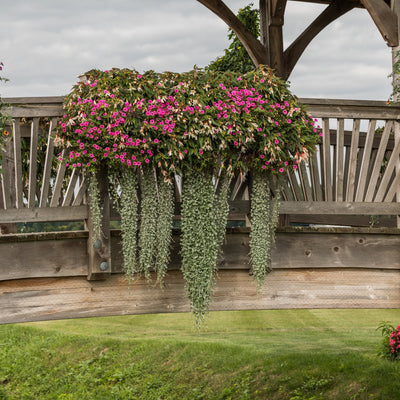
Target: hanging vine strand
point(128, 208)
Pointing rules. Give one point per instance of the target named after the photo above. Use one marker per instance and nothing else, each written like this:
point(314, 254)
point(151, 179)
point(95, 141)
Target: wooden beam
point(336, 9)
point(385, 19)
point(253, 46)
point(99, 248)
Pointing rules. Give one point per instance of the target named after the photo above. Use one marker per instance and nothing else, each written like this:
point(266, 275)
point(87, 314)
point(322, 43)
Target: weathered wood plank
point(33, 162)
point(81, 192)
point(315, 178)
point(59, 181)
point(305, 183)
point(378, 161)
point(17, 163)
point(44, 194)
point(339, 160)
point(345, 220)
point(49, 299)
point(393, 161)
point(344, 208)
point(39, 259)
point(44, 214)
point(326, 157)
point(70, 189)
point(295, 186)
point(362, 179)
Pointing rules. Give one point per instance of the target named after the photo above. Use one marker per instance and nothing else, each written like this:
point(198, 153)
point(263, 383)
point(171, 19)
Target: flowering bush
point(5, 135)
point(390, 347)
point(180, 122)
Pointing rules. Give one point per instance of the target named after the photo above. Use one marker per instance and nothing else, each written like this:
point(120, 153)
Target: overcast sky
point(45, 44)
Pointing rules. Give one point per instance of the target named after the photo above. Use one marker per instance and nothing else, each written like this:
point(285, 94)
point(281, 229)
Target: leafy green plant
point(95, 208)
point(264, 214)
point(165, 214)
point(128, 209)
point(390, 345)
point(235, 57)
point(5, 121)
point(148, 221)
point(204, 217)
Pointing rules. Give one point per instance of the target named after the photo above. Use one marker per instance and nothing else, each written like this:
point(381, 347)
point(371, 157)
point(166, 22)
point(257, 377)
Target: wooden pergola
point(269, 50)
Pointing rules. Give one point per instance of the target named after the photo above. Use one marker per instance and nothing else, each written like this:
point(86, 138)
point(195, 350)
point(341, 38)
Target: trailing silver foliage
point(204, 217)
point(264, 219)
point(128, 208)
point(163, 239)
point(94, 205)
point(148, 221)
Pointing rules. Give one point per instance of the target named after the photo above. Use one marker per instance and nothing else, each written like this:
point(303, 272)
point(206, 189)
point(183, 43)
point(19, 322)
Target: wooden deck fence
point(348, 255)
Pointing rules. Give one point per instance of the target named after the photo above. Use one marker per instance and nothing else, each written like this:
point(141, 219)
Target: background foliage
point(235, 57)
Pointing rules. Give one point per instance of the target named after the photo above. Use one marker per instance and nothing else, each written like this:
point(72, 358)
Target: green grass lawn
point(289, 354)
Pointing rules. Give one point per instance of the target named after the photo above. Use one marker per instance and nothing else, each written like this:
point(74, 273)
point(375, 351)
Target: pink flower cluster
point(394, 342)
point(167, 121)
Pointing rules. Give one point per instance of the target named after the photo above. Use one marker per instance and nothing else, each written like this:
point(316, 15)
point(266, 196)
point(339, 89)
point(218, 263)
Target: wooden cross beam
point(270, 50)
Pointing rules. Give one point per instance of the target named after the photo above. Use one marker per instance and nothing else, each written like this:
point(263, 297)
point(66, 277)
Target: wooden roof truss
point(269, 50)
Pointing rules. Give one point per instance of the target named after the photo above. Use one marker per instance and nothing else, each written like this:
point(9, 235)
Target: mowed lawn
point(274, 354)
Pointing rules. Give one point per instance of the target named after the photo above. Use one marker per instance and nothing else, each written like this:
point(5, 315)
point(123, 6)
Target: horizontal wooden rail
point(51, 106)
point(354, 172)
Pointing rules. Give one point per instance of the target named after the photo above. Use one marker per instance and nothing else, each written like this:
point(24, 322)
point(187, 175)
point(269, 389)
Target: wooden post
point(8, 188)
point(99, 249)
point(271, 22)
point(395, 4)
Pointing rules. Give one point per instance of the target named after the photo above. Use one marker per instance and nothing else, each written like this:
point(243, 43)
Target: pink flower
point(289, 121)
point(281, 169)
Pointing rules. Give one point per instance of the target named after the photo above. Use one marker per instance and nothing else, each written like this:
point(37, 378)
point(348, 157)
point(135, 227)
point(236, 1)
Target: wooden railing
point(352, 180)
point(355, 171)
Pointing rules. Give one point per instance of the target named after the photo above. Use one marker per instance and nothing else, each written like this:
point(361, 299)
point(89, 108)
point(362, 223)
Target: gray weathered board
point(318, 268)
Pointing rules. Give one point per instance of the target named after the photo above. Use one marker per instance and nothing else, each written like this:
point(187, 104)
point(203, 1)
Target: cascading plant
point(158, 126)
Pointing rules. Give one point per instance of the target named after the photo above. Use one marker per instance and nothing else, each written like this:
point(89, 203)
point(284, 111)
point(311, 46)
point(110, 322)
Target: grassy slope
point(290, 354)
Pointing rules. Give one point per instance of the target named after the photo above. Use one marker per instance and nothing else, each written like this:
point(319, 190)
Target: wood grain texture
point(49, 298)
point(50, 258)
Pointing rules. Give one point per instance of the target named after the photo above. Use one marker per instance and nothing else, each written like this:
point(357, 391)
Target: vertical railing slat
point(6, 176)
point(393, 188)
point(351, 175)
point(378, 161)
point(44, 194)
point(81, 192)
point(315, 178)
point(305, 183)
point(326, 152)
point(70, 189)
point(392, 164)
point(19, 194)
point(55, 199)
point(33, 162)
point(362, 179)
point(294, 186)
point(339, 159)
